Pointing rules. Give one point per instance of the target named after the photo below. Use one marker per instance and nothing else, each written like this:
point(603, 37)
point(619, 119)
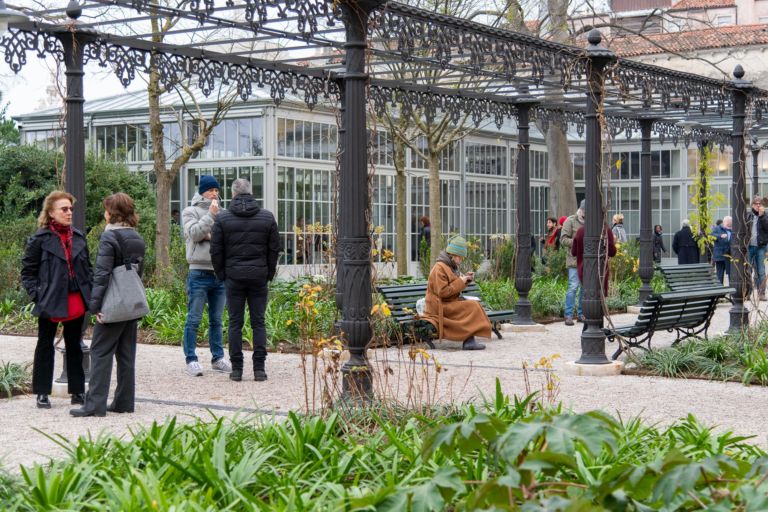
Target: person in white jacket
point(202, 285)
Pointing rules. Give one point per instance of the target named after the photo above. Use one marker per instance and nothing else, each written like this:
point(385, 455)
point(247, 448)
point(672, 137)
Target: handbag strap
point(121, 243)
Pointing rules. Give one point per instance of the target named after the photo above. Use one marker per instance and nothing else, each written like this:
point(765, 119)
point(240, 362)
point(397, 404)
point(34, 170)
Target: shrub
point(547, 297)
point(553, 264)
point(498, 295)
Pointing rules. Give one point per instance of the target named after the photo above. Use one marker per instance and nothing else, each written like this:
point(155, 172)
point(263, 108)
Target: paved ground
point(164, 390)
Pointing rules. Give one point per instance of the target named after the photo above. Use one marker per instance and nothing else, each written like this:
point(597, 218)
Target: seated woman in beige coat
point(454, 317)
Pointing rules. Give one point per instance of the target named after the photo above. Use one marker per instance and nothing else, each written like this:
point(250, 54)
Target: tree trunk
point(163, 221)
point(400, 210)
point(435, 215)
point(562, 193)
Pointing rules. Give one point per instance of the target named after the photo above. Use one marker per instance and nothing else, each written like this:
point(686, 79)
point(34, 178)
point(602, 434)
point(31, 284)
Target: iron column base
point(739, 318)
point(523, 312)
point(593, 346)
point(645, 292)
point(357, 384)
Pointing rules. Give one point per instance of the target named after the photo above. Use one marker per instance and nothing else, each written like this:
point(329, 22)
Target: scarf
point(551, 240)
point(64, 233)
point(443, 257)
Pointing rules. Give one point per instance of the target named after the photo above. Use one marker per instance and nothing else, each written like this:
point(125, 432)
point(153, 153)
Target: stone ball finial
point(594, 37)
point(738, 72)
point(74, 10)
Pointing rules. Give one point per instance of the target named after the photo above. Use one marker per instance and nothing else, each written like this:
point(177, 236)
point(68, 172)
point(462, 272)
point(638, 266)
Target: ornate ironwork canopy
point(416, 59)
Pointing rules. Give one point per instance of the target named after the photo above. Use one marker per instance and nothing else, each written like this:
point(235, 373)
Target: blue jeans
point(757, 261)
point(570, 297)
point(202, 287)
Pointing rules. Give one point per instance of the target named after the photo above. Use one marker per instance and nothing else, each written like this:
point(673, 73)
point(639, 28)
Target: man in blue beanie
point(202, 285)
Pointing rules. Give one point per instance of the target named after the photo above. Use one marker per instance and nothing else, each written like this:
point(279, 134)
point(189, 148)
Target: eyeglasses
point(66, 209)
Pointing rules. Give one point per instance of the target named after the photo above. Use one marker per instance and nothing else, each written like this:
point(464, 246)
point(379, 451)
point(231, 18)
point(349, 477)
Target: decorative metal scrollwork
point(414, 35)
point(453, 106)
point(16, 43)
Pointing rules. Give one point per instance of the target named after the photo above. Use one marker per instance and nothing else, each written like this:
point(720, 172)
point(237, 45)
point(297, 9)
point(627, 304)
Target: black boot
point(78, 399)
point(236, 375)
point(112, 408)
point(259, 375)
point(471, 344)
point(82, 412)
point(43, 402)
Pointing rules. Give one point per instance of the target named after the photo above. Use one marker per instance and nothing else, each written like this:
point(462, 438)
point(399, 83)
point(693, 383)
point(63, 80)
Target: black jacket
point(685, 247)
point(245, 243)
point(658, 247)
point(111, 255)
point(762, 228)
point(45, 275)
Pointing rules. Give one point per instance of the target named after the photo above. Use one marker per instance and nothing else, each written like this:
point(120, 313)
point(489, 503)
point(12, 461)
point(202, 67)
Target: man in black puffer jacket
point(244, 249)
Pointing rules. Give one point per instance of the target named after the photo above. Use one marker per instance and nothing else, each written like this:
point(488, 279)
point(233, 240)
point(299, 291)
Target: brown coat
point(454, 317)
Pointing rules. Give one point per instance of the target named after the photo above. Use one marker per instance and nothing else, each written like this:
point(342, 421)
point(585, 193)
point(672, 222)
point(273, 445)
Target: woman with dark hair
point(56, 272)
point(120, 243)
point(425, 230)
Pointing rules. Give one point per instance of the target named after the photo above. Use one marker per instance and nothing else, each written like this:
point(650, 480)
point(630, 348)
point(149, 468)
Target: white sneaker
point(194, 369)
point(221, 365)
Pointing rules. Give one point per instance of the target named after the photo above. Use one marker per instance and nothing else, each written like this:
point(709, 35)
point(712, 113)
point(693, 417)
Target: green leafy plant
point(14, 378)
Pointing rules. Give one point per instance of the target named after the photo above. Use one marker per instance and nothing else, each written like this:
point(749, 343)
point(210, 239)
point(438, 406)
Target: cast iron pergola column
point(755, 148)
point(740, 270)
point(593, 338)
point(646, 222)
point(73, 40)
point(523, 256)
point(354, 239)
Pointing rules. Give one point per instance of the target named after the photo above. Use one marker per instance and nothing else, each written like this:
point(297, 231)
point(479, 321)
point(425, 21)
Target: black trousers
point(42, 369)
point(238, 293)
point(118, 340)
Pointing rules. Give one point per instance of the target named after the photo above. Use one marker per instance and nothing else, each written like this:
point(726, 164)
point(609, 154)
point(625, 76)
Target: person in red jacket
point(607, 242)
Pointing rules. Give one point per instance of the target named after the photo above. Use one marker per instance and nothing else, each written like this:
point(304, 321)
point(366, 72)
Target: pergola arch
point(516, 76)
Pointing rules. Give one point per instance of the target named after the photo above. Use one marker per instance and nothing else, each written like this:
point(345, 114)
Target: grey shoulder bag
point(125, 298)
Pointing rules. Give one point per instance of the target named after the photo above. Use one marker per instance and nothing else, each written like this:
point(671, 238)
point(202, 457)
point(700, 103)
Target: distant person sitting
point(454, 317)
point(685, 246)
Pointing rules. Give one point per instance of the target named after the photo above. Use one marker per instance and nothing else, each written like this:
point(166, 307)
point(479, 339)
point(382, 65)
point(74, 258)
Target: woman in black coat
point(119, 243)
point(685, 245)
point(56, 272)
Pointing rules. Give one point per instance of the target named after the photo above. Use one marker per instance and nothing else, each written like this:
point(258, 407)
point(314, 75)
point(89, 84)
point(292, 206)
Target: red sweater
point(577, 249)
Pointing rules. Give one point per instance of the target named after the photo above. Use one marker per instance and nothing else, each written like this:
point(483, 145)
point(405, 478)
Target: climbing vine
point(704, 200)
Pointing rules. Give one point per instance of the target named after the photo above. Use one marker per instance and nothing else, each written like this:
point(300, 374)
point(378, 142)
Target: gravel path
point(164, 390)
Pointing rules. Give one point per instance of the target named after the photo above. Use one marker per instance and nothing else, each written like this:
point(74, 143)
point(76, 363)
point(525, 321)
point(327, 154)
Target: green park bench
point(697, 276)
point(402, 298)
point(689, 313)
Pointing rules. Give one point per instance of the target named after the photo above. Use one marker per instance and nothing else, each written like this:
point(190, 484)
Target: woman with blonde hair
point(56, 272)
point(454, 317)
point(619, 233)
point(120, 243)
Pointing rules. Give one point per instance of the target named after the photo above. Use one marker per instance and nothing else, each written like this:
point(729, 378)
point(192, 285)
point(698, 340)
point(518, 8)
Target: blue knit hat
point(207, 183)
point(457, 246)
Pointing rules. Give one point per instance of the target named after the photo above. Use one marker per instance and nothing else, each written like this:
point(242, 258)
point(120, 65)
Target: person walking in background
point(425, 233)
point(658, 243)
point(570, 227)
point(454, 317)
point(244, 249)
point(721, 251)
point(120, 243)
point(202, 286)
point(607, 247)
point(619, 233)
point(685, 246)
point(757, 244)
point(56, 273)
